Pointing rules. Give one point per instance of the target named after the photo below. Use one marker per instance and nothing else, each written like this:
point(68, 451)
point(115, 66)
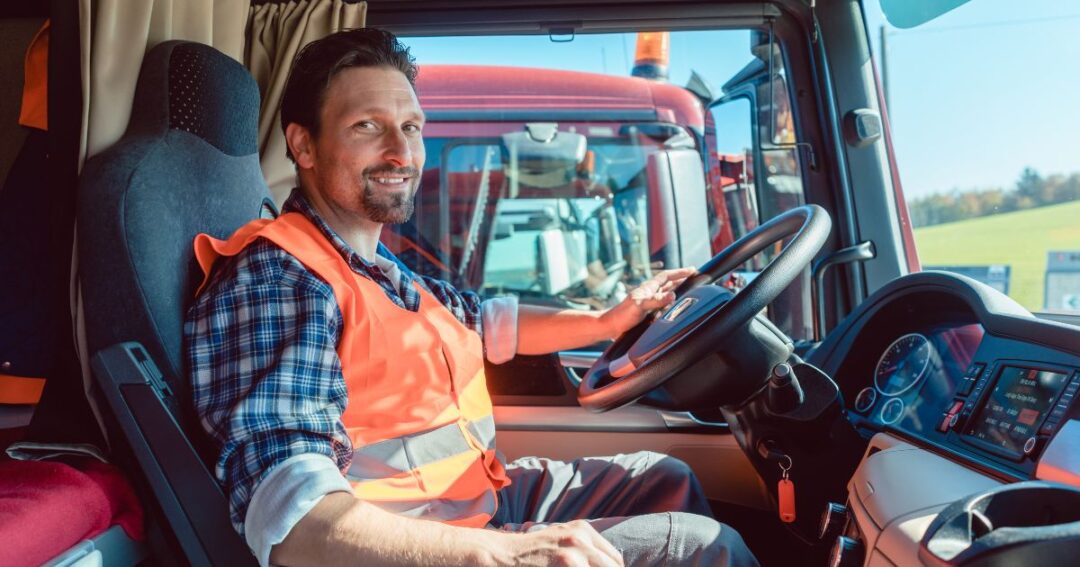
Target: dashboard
point(948, 364)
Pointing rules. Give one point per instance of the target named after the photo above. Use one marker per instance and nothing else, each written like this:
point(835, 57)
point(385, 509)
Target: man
point(348, 395)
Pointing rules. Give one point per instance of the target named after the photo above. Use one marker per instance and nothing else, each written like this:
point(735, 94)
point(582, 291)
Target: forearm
point(343, 530)
point(543, 329)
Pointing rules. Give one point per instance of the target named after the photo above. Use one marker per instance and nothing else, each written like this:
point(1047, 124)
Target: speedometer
point(902, 365)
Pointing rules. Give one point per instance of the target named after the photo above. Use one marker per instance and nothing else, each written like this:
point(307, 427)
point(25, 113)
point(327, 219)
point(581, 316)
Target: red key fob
point(785, 490)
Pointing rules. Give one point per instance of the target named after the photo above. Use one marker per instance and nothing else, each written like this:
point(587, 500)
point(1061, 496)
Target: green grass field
point(1019, 239)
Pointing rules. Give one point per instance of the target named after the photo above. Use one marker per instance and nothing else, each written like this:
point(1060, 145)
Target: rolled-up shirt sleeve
point(500, 320)
point(267, 387)
point(284, 496)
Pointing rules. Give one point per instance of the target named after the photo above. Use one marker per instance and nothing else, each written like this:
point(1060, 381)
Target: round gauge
point(902, 365)
point(891, 411)
point(865, 400)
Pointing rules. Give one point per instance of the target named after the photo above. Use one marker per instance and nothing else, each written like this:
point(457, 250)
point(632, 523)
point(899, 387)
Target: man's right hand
point(343, 530)
point(573, 544)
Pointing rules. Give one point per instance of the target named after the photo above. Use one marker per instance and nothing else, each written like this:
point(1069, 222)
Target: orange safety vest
point(418, 414)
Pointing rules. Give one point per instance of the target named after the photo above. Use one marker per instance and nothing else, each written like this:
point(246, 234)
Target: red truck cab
point(609, 157)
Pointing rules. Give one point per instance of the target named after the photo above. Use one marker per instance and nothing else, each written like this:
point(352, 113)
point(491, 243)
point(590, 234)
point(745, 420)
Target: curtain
point(265, 38)
point(275, 34)
point(115, 36)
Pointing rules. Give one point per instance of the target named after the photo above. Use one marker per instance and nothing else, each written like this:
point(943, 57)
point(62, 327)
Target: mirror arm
point(858, 253)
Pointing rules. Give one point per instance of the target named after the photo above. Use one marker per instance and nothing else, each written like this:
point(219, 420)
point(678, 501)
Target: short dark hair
point(319, 61)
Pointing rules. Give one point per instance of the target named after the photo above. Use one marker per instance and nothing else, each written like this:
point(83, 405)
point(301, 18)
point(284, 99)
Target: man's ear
point(301, 144)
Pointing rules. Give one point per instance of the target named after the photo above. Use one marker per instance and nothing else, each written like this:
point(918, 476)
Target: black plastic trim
point(189, 497)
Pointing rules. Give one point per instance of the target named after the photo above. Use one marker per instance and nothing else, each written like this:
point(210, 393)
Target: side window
point(754, 175)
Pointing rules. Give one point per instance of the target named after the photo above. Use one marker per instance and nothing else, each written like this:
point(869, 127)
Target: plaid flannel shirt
point(261, 343)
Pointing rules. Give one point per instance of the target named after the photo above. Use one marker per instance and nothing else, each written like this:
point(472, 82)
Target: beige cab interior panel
point(878, 560)
point(570, 433)
point(900, 540)
point(902, 478)
point(900, 488)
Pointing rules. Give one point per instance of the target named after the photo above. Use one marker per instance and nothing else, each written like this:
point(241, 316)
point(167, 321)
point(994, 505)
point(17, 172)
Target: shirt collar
point(298, 203)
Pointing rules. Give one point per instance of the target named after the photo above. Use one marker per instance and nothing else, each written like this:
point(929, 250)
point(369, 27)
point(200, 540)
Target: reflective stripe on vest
point(419, 415)
point(394, 456)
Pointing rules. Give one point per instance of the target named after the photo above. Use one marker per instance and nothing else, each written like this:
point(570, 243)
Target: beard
point(389, 208)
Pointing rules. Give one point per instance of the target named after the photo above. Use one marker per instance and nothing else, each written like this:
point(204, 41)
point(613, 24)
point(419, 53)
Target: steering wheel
point(704, 316)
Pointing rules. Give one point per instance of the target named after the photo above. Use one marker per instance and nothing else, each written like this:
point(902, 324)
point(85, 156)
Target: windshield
point(983, 109)
point(566, 170)
point(564, 217)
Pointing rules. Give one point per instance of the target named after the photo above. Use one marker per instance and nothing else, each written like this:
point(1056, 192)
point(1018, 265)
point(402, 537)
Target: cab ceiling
point(421, 17)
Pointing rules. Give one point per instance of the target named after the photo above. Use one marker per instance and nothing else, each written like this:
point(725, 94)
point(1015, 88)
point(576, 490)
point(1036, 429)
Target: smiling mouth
point(390, 180)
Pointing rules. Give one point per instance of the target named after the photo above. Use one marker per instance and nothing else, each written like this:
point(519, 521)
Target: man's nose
point(397, 150)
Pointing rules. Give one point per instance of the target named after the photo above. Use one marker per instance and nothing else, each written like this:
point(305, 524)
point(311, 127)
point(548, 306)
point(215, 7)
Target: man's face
point(369, 152)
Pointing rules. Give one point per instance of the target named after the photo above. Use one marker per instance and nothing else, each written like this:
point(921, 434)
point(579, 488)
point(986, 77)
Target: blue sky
point(975, 95)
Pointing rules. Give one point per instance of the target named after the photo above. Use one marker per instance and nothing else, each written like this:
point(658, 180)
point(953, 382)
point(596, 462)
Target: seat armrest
point(188, 498)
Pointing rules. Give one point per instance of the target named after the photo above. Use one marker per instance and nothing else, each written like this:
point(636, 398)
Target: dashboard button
point(951, 417)
point(965, 386)
point(943, 426)
point(946, 422)
point(974, 370)
point(1048, 427)
point(1029, 445)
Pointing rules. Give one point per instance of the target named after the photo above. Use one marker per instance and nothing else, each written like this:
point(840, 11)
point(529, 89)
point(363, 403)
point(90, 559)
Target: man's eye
point(411, 128)
point(364, 125)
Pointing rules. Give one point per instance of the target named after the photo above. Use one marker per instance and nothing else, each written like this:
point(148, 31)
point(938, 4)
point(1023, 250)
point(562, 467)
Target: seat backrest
point(188, 163)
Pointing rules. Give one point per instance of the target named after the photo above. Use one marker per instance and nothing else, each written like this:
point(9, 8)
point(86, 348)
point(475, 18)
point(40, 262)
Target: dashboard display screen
point(1016, 406)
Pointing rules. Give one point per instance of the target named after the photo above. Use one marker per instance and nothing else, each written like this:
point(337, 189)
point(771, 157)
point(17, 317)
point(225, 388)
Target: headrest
point(195, 88)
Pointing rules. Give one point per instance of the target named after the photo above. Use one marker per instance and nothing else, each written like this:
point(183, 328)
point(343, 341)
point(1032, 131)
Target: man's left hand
point(655, 293)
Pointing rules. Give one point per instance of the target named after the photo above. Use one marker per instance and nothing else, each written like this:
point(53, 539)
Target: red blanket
point(47, 507)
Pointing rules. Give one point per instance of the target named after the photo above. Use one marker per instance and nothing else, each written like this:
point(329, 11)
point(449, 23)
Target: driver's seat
point(188, 163)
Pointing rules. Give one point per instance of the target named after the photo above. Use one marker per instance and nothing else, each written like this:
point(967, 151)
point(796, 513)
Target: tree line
point(1030, 190)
